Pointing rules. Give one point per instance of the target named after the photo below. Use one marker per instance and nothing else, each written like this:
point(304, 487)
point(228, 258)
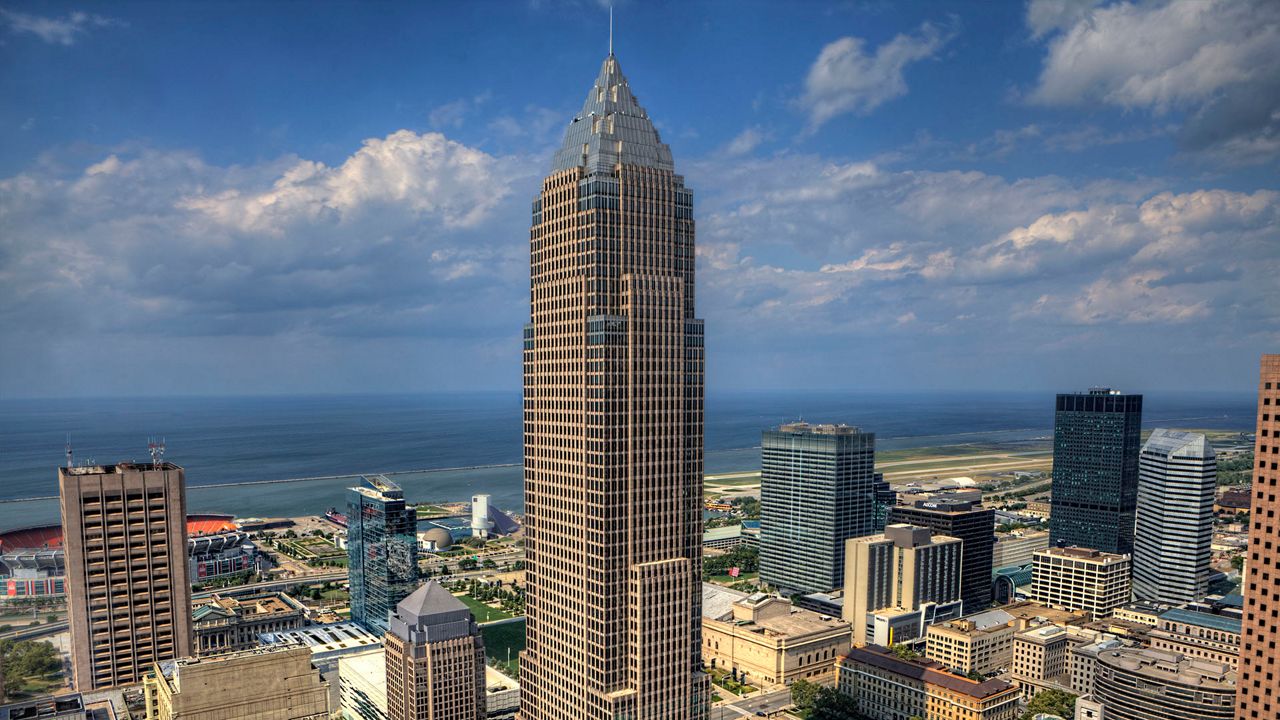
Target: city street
point(767, 703)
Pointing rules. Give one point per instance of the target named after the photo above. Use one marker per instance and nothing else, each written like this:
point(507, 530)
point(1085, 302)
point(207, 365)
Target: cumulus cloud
point(846, 78)
point(65, 30)
point(794, 248)
point(1217, 60)
point(397, 240)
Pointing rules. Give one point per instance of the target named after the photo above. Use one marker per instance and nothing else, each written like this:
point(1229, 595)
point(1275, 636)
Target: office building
point(613, 425)
point(329, 644)
point(1259, 693)
point(1199, 635)
point(277, 683)
point(1084, 662)
point(981, 643)
point(884, 686)
point(1141, 684)
point(817, 489)
point(382, 551)
point(434, 659)
point(1178, 477)
point(1016, 548)
point(1041, 659)
point(68, 706)
point(974, 525)
point(228, 624)
point(1095, 470)
point(886, 498)
point(901, 571)
point(1081, 579)
point(767, 639)
point(128, 595)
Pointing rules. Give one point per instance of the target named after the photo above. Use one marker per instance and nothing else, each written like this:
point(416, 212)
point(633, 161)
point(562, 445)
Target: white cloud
point(746, 141)
point(64, 30)
point(1046, 16)
point(846, 78)
point(1218, 60)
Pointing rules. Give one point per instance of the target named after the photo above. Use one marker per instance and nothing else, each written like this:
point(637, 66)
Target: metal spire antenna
point(610, 29)
point(156, 449)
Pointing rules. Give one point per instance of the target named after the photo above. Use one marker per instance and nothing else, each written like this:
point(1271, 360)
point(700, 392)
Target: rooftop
point(926, 670)
point(1201, 619)
point(1083, 553)
point(804, 428)
point(1172, 668)
point(717, 600)
point(338, 637)
point(1177, 443)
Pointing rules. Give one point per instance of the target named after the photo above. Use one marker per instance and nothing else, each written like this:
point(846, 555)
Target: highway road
point(768, 704)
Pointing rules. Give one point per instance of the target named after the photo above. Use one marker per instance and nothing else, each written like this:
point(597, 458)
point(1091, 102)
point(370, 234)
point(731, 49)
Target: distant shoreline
point(313, 478)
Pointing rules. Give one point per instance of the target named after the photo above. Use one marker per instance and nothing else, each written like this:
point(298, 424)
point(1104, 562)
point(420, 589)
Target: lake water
point(242, 440)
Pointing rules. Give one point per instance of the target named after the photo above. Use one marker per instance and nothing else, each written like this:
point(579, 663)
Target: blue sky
point(251, 198)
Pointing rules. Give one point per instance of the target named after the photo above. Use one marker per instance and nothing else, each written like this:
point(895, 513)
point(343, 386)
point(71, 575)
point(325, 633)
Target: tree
point(1052, 702)
point(804, 693)
point(904, 652)
point(833, 705)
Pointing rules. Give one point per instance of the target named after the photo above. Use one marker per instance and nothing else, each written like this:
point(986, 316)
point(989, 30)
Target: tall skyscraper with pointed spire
point(613, 400)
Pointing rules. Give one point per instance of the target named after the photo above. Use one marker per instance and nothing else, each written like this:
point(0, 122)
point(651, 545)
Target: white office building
point(1177, 478)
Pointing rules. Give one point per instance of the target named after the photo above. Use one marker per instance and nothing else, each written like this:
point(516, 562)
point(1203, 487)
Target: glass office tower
point(817, 489)
point(382, 551)
point(1096, 437)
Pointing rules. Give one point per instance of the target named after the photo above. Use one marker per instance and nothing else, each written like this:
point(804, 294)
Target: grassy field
point(735, 481)
point(498, 640)
point(432, 511)
point(483, 612)
point(726, 580)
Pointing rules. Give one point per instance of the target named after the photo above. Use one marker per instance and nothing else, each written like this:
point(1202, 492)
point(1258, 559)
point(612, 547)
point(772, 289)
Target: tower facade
point(613, 418)
point(1178, 477)
point(974, 525)
point(1258, 695)
point(1096, 436)
point(435, 659)
point(898, 570)
point(124, 528)
point(382, 551)
point(817, 489)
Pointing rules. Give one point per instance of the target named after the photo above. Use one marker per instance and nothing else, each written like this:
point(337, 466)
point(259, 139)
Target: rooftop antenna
point(156, 449)
point(610, 29)
point(69, 463)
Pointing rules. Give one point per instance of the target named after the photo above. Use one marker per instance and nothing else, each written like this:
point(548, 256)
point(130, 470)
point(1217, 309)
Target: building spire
point(610, 29)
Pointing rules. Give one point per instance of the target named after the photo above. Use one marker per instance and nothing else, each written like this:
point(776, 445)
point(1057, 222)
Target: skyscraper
point(613, 383)
point(382, 551)
point(435, 659)
point(1096, 436)
point(1178, 476)
point(817, 489)
point(124, 528)
point(973, 524)
point(1258, 693)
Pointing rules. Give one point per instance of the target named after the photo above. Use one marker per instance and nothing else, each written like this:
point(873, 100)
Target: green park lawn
point(483, 612)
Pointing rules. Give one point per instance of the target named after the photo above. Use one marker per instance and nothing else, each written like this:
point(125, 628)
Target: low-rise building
point(887, 687)
point(328, 643)
point(1081, 579)
point(227, 624)
point(1201, 635)
point(723, 538)
point(69, 706)
point(1084, 662)
point(981, 643)
point(362, 685)
point(1018, 547)
point(1141, 612)
point(767, 638)
point(1029, 613)
point(278, 683)
point(1144, 684)
point(1041, 660)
